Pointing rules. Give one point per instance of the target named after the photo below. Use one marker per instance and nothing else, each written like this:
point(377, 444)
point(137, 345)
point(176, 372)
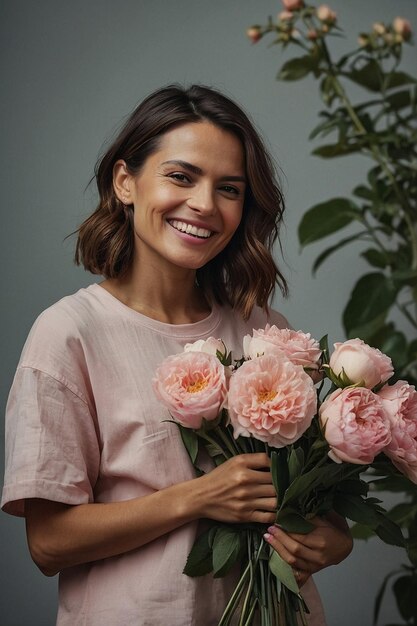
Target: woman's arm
point(61, 535)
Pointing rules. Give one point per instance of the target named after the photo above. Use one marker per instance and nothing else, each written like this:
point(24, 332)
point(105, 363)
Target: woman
point(188, 212)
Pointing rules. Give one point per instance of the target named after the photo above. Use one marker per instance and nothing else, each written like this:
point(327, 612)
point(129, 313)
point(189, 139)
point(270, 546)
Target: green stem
point(231, 446)
point(231, 605)
point(251, 612)
point(207, 437)
point(254, 564)
point(376, 154)
point(408, 315)
point(372, 234)
point(262, 600)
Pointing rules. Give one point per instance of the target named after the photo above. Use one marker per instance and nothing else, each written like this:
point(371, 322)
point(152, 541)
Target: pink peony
point(361, 363)
point(356, 425)
point(210, 346)
point(402, 27)
point(293, 5)
point(326, 14)
point(400, 402)
point(298, 347)
point(192, 385)
point(272, 400)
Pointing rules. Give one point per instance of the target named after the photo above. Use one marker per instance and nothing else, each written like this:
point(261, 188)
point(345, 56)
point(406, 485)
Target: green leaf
point(399, 100)
point(323, 477)
point(361, 191)
point(297, 68)
point(324, 347)
point(324, 128)
point(354, 486)
point(199, 561)
point(326, 253)
point(411, 547)
point(327, 90)
point(283, 572)
point(405, 276)
point(335, 150)
point(190, 441)
point(375, 257)
point(359, 531)
point(397, 483)
point(395, 346)
point(368, 330)
point(226, 550)
point(369, 76)
point(397, 79)
point(403, 513)
point(293, 522)
point(295, 463)
point(371, 296)
point(405, 591)
point(380, 594)
point(356, 509)
point(326, 218)
point(279, 471)
point(389, 532)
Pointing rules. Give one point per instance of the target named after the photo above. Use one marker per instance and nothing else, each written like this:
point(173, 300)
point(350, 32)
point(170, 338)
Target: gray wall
point(70, 72)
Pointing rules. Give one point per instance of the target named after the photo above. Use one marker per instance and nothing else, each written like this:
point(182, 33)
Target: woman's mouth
point(189, 229)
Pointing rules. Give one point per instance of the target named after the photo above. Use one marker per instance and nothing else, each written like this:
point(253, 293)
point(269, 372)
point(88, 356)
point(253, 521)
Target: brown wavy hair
point(244, 273)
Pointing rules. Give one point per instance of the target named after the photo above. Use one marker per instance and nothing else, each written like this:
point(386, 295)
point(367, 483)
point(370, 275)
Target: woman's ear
point(122, 181)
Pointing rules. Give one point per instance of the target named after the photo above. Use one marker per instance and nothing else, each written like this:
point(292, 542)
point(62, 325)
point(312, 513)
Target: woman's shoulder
point(259, 318)
point(60, 328)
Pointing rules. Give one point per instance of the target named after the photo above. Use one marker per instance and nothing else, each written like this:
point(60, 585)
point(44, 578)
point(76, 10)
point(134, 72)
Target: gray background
point(70, 72)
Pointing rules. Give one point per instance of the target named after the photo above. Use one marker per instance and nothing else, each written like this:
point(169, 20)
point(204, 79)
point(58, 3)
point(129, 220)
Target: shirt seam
point(59, 379)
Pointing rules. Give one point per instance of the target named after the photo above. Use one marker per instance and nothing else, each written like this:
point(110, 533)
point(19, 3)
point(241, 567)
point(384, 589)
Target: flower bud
point(360, 363)
point(293, 5)
point(402, 27)
point(379, 28)
point(285, 16)
point(254, 33)
point(326, 14)
point(312, 34)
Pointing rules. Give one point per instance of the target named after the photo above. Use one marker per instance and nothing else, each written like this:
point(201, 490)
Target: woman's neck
point(173, 299)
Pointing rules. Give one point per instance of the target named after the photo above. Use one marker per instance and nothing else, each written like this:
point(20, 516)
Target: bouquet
point(320, 436)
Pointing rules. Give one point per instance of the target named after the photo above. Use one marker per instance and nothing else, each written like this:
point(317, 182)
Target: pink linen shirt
point(83, 425)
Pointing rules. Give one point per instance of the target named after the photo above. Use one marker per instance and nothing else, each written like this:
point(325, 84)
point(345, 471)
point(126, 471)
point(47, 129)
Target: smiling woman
point(189, 210)
point(244, 273)
point(185, 206)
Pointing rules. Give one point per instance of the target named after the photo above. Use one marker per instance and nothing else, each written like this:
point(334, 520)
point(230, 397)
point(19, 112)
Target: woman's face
point(188, 197)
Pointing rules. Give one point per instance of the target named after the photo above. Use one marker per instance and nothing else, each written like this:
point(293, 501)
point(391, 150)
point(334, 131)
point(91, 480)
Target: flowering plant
point(368, 109)
point(381, 127)
point(319, 443)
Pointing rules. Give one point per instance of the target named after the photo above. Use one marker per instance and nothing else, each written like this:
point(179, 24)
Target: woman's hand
point(239, 490)
point(328, 544)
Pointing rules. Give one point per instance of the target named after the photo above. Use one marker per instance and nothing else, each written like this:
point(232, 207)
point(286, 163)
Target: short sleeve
point(52, 446)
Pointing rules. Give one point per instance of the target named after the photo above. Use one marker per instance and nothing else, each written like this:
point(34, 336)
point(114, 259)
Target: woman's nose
point(202, 199)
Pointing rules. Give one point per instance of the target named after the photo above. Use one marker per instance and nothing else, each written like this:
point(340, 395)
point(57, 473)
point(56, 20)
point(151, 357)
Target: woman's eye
point(182, 178)
point(230, 189)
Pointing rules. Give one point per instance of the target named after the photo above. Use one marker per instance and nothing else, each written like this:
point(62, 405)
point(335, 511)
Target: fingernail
point(272, 530)
point(267, 537)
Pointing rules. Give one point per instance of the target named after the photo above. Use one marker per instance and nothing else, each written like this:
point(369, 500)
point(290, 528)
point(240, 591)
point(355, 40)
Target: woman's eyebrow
point(197, 170)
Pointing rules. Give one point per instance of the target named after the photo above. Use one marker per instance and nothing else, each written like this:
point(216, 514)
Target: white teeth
point(191, 230)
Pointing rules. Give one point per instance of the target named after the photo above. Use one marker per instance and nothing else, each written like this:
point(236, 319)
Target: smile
point(189, 229)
